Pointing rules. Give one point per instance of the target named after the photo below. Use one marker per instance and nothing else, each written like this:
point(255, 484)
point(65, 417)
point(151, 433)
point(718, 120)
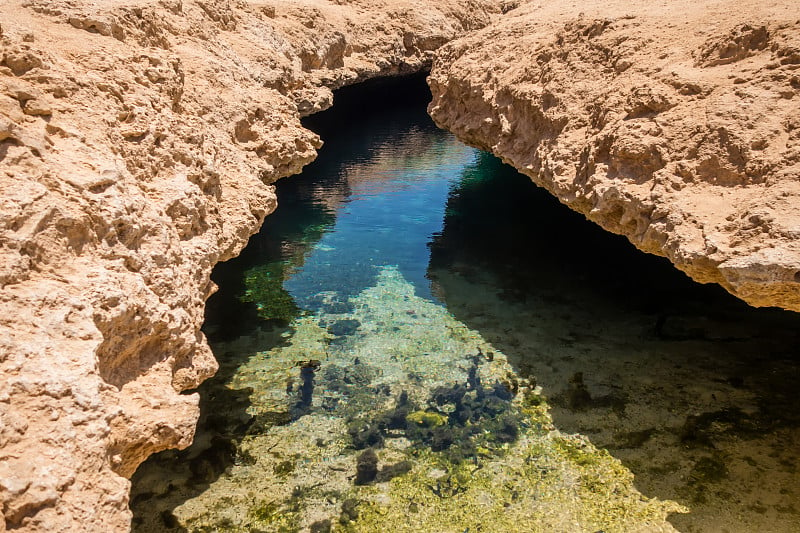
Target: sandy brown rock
point(675, 124)
point(138, 142)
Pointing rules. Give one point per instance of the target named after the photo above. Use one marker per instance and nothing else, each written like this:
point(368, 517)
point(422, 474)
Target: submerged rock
point(306, 390)
point(349, 511)
point(366, 467)
point(578, 396)
point(341, 328)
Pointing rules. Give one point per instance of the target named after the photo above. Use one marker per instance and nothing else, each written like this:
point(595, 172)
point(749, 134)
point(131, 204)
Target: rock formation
point(138, 142)
point(675, 124)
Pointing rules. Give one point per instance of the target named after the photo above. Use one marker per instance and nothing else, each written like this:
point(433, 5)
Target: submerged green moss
point(532, 489)
point(426, 419)
point(578, 452)
point(408, 423)
point(264, 288)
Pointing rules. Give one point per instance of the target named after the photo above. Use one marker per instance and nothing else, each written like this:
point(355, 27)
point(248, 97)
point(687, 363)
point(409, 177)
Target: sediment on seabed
point(415, 420)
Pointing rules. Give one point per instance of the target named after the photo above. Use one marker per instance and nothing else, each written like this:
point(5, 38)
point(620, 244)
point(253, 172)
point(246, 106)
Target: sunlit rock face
point(675, 125)
point(138, 142)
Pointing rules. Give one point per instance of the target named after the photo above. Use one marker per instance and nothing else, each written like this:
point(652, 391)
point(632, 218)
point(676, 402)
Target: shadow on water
point(692, 389)
point(252, 309)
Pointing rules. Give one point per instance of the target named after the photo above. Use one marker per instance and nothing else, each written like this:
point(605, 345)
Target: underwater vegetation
point(463, 421)
point(264, 288)
point(399, 414)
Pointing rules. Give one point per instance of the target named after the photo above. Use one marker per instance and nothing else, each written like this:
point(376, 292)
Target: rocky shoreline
point(139, 141)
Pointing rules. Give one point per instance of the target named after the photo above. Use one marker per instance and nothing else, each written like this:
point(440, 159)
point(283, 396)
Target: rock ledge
point(676, 125)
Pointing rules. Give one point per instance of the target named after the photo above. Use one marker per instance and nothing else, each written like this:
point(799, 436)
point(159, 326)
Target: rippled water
point(403, 264)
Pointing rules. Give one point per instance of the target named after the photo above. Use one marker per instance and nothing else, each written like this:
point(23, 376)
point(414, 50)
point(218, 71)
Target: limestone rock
point(138, 144)
point(674, 124)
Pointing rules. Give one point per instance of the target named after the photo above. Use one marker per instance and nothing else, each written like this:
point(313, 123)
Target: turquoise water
point(343, 219)
point(393, 211)
point(399, 256)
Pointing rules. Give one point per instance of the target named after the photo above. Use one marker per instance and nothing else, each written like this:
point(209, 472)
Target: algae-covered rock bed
point(406, 418)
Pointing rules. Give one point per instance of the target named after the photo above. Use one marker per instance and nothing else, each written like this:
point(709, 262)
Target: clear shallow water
point(694, 391)
point(395, 260)
point(372, 198)
point(396, 205)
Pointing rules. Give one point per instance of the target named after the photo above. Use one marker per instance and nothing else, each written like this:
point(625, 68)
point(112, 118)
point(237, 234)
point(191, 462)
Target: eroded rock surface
point(675, 124)
point(138, 141)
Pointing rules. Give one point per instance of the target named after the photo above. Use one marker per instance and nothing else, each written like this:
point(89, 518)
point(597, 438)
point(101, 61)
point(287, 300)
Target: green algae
point(533, 489)
point(426, 419)
point(264, 288)
point(454, 439)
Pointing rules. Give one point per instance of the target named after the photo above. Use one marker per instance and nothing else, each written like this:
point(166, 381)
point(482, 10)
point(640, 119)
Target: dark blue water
point(344, 218)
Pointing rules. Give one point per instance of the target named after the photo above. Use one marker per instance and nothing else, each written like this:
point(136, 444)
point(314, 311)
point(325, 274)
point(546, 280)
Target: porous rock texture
point(138, 142)
point(676, 124)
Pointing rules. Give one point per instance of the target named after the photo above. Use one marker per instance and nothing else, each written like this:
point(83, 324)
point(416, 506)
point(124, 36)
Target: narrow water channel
point(391, 341)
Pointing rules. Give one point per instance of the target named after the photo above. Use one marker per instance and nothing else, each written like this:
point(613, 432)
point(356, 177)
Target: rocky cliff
point(675, 124)
point(138, 141)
